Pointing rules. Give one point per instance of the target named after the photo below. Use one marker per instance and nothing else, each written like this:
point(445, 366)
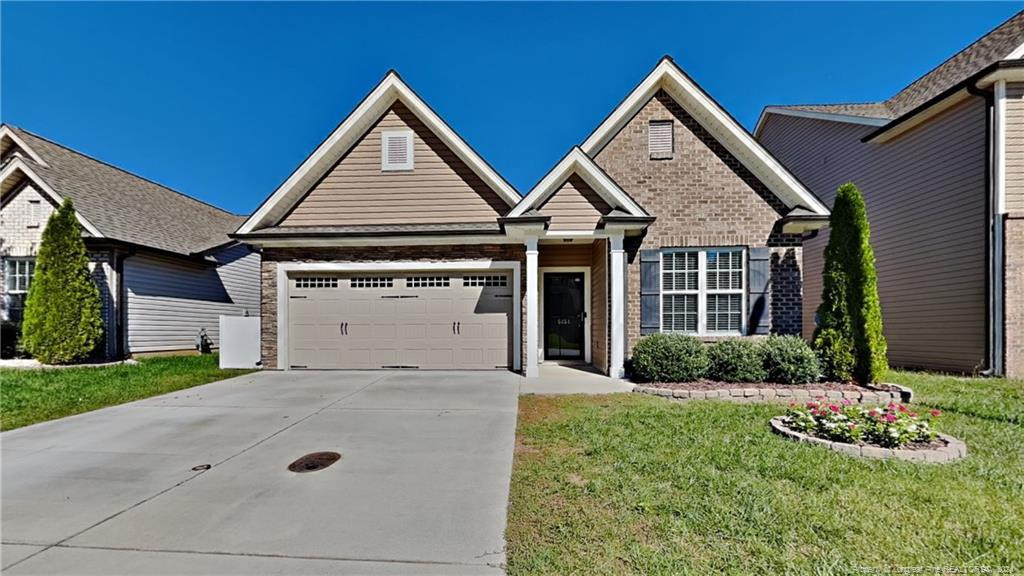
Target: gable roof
point(717, 121)
point(348, 133)
point(116, 204)
point(1004, 42)
point(578, 162)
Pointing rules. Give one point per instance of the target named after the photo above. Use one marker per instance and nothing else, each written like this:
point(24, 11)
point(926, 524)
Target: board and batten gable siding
point(1015, 148)
point(574, 206)
point(169, 300)
point(440, 188)
point(701, 197)
point(925, 195)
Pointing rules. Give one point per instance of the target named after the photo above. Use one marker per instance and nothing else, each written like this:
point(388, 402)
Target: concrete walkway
point(572, 379)
point(421, 488)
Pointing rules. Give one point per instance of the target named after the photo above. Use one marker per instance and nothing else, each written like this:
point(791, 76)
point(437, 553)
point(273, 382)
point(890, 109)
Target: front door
point(564, 316)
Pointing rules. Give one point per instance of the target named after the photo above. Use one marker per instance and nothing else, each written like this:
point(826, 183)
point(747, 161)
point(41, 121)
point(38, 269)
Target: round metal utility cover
point(315, 461)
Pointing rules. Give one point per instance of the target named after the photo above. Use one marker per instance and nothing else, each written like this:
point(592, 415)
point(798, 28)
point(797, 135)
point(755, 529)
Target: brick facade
point(272, 256)
point(702, 197)
point(1014, 296)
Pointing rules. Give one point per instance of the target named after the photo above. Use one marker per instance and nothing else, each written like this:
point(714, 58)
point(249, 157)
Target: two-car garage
point(374, 319)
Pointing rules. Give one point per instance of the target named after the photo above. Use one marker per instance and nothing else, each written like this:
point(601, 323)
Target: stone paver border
point(781, 393)
point(953, 450)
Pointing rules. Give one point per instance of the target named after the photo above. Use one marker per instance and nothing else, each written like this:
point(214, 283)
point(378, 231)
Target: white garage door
point(428, 321)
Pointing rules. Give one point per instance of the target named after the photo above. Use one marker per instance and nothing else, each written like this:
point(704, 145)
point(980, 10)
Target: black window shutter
point(650, 291)
point(759, 287)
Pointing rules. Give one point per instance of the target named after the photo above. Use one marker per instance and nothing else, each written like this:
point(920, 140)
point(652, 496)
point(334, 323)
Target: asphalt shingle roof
point(126, 207)
point(985, 51)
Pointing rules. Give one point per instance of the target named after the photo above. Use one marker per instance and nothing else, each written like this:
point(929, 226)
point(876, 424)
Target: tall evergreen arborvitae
point(849, 336)
point(63, 320)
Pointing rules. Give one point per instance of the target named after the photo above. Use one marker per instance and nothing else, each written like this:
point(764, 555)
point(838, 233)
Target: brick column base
point(1014, 296)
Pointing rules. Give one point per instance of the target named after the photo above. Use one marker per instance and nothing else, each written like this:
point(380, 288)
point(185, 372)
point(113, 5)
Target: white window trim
point(385, 166)
point(285, 269)
point(28, 280)
point(702, 291)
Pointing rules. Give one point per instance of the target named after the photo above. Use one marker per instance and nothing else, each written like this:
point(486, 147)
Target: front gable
point(345, 180)
point(439, 188)
point(574, 206)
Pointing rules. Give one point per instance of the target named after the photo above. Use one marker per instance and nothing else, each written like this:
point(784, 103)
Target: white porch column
point(618, 305)
point(532, 313)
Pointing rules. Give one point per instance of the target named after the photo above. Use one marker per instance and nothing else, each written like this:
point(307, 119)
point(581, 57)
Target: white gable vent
point(659, 139)
point(396, 150)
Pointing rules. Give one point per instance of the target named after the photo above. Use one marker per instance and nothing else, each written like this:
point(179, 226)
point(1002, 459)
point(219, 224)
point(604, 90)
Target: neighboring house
point(164, 263)
point(394, 244)
point(941, 167)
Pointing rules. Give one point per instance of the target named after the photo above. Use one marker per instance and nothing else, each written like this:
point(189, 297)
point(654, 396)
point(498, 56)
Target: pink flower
point(936, 413)
point(847, 402)
point(833, 407)
point(913, 414)
point(873, 413)
point(890, 418)
point(812, 405)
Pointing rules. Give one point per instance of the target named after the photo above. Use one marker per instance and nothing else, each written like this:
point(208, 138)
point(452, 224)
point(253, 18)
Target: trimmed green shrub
point(835, 352)
point(670, 358)
point(63, 320)
point(736, 360)
point(789, 360)
point(849, 335)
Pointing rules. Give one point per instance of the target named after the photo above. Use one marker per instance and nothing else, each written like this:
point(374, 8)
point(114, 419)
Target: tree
point(849, 336)
point(63, 321)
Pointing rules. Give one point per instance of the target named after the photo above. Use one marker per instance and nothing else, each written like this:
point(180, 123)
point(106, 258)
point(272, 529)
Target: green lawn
point(30, 396)
point(632, 484)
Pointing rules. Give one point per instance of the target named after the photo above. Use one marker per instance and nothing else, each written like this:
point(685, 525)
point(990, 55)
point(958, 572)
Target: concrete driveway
point(421, 488)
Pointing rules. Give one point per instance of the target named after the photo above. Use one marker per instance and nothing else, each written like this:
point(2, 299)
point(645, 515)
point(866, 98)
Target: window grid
point(18, 274)
point(496, 280)
point(703, 291)
point(428, 282)
point(372, 282)
point(316, 282)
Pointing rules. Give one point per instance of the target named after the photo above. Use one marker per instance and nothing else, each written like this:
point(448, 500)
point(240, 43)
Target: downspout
point(993, 234)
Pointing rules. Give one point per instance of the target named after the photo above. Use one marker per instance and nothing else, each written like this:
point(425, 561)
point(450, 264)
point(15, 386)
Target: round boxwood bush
point(670, 358)
point(789, 360)
point(736, 360)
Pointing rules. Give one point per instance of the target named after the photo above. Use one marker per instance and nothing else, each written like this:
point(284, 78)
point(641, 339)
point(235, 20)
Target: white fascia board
point(845, 118)
point(391, 88)
point(666, 75)
point(17, 164)
point(450, 240)
point(6, 132)
point(577, 162)
point(1016, 54)
point(1007, 74)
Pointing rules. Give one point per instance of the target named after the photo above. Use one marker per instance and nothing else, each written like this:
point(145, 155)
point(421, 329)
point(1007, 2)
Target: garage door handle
point(344, 328)
point(453, 327)
point(458, 327)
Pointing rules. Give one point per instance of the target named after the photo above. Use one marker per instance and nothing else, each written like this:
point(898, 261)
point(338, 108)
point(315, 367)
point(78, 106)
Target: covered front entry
point(386, 320)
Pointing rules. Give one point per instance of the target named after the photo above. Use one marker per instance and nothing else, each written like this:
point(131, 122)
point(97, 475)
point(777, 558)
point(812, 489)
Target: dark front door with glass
point(564, 316)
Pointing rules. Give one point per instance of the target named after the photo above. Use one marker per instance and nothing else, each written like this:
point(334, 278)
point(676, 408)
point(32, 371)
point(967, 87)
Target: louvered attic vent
point(396, 151)
point(659, 139)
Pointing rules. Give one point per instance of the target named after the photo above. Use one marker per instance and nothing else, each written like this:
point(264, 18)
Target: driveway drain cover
point(315, 461)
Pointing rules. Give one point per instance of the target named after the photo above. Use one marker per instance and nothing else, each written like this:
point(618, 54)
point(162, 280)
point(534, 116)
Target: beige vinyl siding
point(439, 189)
point(564, 255)
point(1015, 148)
point(599, 305)
point(925, 193)
point(574, 206)
point(170, 300)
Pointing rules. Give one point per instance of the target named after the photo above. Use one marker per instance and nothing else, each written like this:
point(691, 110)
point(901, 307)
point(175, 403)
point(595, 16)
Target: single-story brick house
point(394, 244)
point(163, 261)
point(941, 167)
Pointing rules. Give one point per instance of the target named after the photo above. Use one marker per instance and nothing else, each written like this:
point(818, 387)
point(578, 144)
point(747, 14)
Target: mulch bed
point(716, 385)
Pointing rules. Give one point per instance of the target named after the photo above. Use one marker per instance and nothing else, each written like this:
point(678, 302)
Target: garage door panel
point(367, 323)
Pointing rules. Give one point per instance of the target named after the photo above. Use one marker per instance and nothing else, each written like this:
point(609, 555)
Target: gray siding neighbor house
point(394, 244)
point(163, 261)
point(941, 167)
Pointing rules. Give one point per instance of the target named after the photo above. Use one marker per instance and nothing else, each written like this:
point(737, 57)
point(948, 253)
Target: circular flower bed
point(892, 431)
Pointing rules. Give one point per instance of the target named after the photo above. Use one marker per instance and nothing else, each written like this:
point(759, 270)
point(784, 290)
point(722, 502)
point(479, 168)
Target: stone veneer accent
point(271, 257)
point(702, 197)
point(755, 393)
point(1014, 296)
point(953, 450)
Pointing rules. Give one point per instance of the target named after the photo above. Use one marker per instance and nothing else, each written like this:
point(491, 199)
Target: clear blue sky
point(222, 101)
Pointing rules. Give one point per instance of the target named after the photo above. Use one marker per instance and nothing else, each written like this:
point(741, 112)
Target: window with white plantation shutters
point(703, 291)
point(659, 139)
point(396, 151)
